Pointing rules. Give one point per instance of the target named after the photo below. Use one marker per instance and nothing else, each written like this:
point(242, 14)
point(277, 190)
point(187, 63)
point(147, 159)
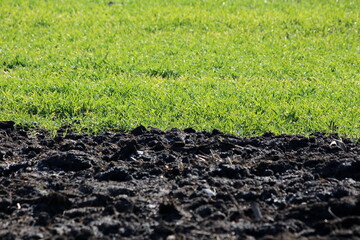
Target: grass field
point(245, 67)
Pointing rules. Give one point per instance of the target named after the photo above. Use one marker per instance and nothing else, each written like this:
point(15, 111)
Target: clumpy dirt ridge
point(179, 184)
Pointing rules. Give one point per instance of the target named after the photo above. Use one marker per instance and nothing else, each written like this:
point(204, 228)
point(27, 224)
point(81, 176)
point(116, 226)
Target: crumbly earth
point(179, 184)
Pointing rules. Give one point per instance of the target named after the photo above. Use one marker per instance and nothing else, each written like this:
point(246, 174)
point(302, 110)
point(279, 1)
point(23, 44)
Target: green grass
point(245, 67)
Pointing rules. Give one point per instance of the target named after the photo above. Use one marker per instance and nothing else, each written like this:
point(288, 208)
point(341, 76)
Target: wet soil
point(179, 184)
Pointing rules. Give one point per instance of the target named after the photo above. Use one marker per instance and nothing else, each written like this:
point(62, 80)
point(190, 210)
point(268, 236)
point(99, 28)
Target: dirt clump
point(178, 184)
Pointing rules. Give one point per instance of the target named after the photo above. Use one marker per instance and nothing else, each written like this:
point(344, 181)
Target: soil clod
point(151, 184)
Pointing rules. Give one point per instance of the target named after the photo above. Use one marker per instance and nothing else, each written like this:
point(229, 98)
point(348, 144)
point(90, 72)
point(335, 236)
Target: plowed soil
point(179, 184)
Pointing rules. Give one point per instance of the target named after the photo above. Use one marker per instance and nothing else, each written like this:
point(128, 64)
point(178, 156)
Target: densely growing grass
point(243, 66)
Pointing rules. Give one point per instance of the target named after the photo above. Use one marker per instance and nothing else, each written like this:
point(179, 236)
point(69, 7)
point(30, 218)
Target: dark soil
point(150, 184)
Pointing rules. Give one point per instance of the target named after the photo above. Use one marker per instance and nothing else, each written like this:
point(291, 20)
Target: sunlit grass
point(245, 67)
